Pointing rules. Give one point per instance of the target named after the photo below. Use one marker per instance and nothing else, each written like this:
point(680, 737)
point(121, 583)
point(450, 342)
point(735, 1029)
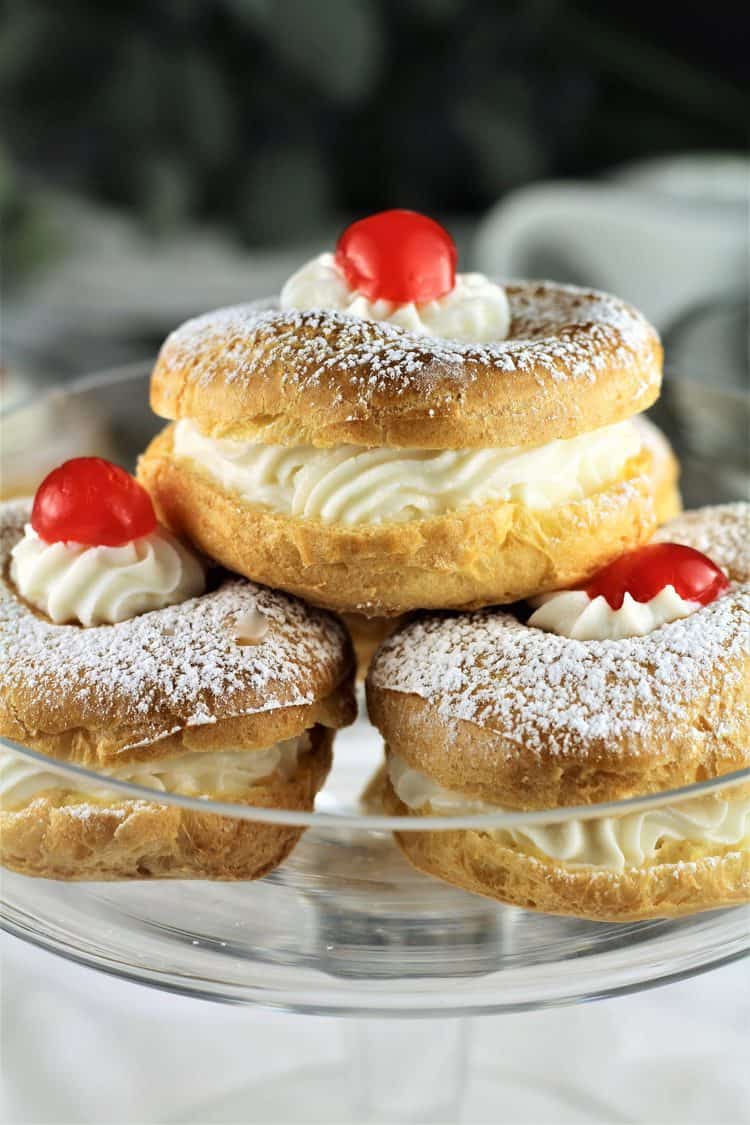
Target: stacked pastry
point(391, 437)
point(115, 656)
point(636, 683)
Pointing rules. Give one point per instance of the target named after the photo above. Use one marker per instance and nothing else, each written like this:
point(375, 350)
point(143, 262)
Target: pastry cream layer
point(192, 774)
point(353, 485)
point(572, 613)
point(611, 842)
point(476, 310)
point(104, 585)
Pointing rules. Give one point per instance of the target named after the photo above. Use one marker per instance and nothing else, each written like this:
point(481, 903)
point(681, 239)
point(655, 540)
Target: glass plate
point(346, 925)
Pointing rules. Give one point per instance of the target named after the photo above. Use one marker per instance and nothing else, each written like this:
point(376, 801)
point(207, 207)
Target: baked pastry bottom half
point(665, 470)
point(680, 878)
point(487, 554)
point(70, 835)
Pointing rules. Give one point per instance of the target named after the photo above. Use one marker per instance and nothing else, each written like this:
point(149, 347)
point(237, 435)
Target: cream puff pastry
point(112, 656)
point(390, 435)
point(493, 711)
point(665, 470)
point(367, 634)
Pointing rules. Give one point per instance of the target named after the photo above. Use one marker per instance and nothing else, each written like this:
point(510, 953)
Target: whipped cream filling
point(352, 484)
point(193, 774)
point(572, 613)
point(104, 585)
point(610, 842)
point(475, 311)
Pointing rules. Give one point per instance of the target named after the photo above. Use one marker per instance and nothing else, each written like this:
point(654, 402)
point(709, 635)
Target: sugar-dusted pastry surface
point(499, 711)
point(168, 678)
point(483, 711)
point(574, 360)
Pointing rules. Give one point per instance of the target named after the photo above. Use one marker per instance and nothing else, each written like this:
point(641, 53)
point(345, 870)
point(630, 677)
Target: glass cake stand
point(346, 927)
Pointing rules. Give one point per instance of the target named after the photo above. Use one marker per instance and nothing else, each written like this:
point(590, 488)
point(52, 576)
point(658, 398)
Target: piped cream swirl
point(104, 585)
point(612, 842)
point(352, 484)
point(475, 311)
point(193, 774)
point(572, 613)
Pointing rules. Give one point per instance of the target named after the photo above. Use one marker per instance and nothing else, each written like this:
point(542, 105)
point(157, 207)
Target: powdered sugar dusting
point(181, 663)
point(559, 330)
point(553, 693)
point(722, 532)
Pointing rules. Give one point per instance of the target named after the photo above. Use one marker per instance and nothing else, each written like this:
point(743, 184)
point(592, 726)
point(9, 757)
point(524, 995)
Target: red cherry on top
point(400, 256)
point(90, 500)
point(643, 573)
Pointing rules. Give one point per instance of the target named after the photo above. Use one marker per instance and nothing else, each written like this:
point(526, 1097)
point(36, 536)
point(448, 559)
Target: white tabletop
point(78, 1046)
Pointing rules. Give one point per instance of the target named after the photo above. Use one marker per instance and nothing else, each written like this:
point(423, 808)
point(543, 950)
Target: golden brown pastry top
point(496, 709)
point(175, 675)
point(575, 360)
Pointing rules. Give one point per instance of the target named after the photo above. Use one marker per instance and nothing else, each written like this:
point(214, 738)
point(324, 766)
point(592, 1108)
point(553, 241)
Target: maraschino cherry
point(90, 500)
point(398, 256)
point(645, 572)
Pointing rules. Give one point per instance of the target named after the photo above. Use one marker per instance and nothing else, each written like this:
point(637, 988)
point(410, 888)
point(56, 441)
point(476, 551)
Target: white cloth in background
point(667, 234)
point(78, 1046)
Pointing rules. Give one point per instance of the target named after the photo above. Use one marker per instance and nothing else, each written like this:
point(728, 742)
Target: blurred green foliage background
point(275, 118)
